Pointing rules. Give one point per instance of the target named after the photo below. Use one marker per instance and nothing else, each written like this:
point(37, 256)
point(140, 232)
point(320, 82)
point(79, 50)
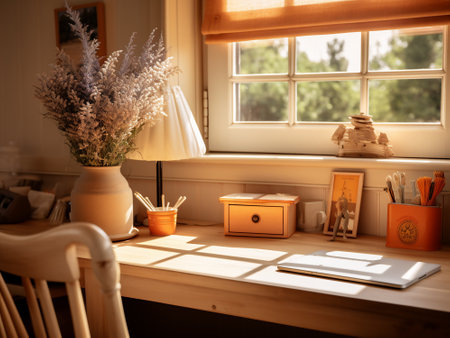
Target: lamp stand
point(159, 187)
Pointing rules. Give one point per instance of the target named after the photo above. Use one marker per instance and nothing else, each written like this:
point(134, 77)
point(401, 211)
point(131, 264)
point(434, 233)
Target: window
point(288, 95)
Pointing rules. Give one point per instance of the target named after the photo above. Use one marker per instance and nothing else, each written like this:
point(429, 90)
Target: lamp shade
point(175, 137)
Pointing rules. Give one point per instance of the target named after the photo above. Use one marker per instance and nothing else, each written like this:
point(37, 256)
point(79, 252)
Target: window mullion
point(406, 74)
point(260, 78)
point(231, 71)
point(327, 76)
point(445, 97)
point(292, 103)
point(233, 59)
point(364, 103)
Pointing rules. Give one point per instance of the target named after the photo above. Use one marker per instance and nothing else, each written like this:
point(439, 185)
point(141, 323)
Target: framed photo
point(92, 15)
point(344, 203)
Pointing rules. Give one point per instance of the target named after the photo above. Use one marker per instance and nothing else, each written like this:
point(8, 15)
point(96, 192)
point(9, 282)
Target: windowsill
point(325, 161)
point(246, 168)
point(300, 170)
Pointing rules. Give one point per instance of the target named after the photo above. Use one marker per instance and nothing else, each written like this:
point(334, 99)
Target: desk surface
point(200, 268)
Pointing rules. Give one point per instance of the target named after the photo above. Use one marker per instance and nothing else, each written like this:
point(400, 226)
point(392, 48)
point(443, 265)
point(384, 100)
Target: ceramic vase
point(102, 196)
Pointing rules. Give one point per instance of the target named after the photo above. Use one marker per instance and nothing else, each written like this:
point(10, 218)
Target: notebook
point(360, 267)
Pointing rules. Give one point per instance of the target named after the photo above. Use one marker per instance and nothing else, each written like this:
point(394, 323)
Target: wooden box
point(259, 215)
point(414, 227)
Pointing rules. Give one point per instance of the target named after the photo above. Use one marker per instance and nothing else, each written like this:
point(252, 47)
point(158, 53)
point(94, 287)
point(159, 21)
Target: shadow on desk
point(151, 319)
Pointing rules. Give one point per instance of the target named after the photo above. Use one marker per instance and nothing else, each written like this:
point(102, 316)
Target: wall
point(28, 42)
point(27, 38)
point(203, 181)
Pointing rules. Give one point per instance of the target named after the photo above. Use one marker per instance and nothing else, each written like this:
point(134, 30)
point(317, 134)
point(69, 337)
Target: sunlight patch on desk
point(173, 242)
point(247, 253)
point(208, 265)
point(270, 275)
point(141, 256)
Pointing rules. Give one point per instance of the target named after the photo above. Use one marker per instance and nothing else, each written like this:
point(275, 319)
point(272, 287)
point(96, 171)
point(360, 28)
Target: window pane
point(416, 100)
point(261, 101)
point(327, 100)
point(262, 56)
point(329, 53)
point(418, 48)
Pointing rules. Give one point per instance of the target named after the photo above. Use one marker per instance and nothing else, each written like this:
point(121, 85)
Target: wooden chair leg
point(6, 318)
point(33, 307)
point(113, 301)
point(47, 308)
point(77, 309)
point(2, 328)
point(12, 309)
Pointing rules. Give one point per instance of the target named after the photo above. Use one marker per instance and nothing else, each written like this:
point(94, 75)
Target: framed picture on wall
point(92, 15)
point(344, 203)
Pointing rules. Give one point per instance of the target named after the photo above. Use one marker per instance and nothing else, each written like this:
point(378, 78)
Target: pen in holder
point(162, 221)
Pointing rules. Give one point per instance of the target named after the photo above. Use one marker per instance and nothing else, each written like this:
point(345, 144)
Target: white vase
point(102, 196)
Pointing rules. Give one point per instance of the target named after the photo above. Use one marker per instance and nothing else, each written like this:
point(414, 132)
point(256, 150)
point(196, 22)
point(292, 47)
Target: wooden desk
point(200, 268)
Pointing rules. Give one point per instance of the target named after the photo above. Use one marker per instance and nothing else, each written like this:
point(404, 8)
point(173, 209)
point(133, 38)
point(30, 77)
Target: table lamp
point(175, 137)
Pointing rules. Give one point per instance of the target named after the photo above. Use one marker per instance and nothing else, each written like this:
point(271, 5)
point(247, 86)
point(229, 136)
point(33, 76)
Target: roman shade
point(239, 20)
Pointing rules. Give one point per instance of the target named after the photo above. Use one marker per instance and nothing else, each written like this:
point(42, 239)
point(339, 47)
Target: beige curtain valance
point(238, 20)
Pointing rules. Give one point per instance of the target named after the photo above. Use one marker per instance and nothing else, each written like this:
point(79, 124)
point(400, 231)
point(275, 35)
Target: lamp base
point(159, 185)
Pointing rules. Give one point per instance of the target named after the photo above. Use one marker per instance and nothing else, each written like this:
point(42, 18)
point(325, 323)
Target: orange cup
point(414, 227)
point(162, 222)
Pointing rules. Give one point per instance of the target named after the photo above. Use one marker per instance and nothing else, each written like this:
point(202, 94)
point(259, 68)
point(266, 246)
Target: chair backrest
point(51, 256)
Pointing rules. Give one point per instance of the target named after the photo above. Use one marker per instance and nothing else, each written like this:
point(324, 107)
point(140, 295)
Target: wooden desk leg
point(94, 305)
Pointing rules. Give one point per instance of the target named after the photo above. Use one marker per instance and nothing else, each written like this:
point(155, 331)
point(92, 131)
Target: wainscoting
point(203, 207)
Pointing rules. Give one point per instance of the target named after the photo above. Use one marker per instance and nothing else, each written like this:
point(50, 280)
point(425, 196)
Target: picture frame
point(92, 15)
point(348, 185)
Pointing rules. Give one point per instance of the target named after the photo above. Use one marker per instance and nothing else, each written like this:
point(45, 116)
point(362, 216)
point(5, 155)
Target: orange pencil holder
point(162, 222)
point(414, 227)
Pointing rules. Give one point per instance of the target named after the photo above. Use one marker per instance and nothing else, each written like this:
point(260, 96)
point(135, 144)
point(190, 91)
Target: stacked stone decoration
point(360, 139)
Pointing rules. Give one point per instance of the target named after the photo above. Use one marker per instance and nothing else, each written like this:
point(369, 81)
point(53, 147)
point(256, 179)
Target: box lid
point(261, 198)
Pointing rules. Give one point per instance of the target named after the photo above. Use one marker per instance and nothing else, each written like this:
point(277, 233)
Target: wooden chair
point(51, 256)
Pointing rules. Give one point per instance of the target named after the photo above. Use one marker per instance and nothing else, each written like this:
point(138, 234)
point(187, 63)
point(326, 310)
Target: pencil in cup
point(145, 201)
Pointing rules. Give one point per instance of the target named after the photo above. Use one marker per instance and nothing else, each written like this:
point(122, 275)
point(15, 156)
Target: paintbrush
point(389, 188)
point(423, 184)
point(438, 184)
point(402, 186)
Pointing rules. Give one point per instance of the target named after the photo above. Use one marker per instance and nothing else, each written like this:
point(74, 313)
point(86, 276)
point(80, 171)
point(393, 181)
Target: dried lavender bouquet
point(100, 108)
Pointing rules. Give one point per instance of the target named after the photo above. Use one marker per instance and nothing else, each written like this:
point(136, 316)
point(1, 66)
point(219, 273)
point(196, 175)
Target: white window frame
point(431, 140)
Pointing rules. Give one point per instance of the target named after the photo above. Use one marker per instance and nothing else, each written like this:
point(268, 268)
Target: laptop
point(360, 267)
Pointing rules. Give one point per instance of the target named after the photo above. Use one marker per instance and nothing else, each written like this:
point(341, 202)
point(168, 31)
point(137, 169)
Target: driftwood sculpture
point(361, 140)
